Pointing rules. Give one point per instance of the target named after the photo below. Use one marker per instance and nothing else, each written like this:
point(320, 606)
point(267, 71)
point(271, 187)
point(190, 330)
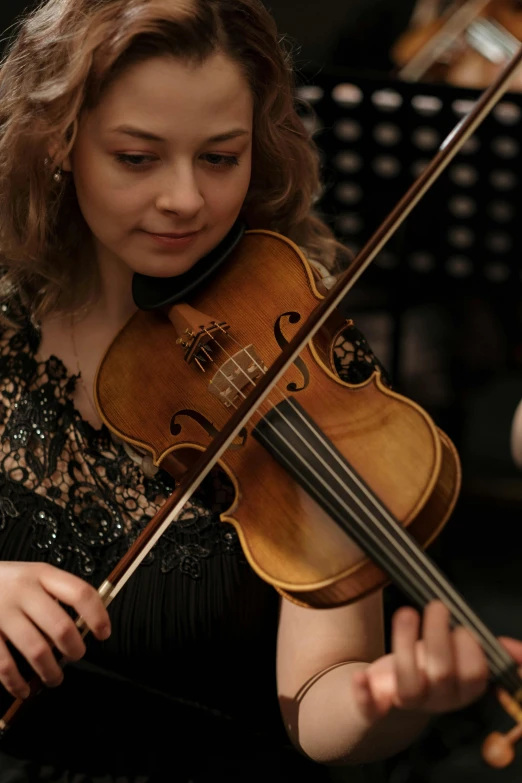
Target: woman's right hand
point(33, 621)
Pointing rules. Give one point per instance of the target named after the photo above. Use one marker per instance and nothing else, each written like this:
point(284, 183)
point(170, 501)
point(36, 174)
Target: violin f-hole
point(293, 318)
point(206, 424)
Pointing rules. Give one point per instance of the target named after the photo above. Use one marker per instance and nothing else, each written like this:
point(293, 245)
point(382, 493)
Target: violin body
point(412, 41)
point(458, 63)
point(150, 397)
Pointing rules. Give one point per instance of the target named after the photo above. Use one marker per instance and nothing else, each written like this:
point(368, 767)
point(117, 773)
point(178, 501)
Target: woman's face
point(162, 165)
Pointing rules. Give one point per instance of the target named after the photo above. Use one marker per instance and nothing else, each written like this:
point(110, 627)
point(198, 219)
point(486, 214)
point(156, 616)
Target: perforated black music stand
point(376, 134)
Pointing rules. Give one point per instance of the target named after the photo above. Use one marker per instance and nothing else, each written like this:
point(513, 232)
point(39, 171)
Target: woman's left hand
point(442, 671)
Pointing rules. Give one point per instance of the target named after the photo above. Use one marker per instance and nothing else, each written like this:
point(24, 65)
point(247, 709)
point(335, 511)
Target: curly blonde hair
point(61, 60)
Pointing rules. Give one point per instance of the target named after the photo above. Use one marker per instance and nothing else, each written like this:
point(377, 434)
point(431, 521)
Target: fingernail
point(105, 632)
point(24, 693)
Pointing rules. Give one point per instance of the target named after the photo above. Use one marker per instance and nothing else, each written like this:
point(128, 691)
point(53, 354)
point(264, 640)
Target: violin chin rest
point(155, 293)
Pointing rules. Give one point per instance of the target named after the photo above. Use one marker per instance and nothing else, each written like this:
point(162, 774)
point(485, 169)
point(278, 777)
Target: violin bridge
point(230, 383)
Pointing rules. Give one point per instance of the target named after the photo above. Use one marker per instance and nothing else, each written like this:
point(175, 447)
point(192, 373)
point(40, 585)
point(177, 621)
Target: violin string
point(460, 611)
point(392, 522)
point(483, 631)
point(470, 621)
point(492, 650)
point(233, 359)
point(268, 402)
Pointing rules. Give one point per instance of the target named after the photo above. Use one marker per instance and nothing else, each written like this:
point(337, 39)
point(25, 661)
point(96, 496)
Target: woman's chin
point(163, 267)
point(169, 258)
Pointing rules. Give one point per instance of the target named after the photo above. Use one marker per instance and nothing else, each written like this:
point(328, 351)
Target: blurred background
point(384, 82)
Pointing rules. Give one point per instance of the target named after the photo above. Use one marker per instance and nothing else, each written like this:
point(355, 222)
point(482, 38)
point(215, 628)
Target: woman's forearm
point(331, 729)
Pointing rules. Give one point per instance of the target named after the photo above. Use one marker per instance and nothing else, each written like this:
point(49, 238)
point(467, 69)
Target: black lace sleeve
point(354, 359)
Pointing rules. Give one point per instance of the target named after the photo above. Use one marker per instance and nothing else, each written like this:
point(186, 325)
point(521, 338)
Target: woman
point(134, 135)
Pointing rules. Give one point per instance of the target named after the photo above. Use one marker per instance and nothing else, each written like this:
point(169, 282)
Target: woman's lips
point(173, 240)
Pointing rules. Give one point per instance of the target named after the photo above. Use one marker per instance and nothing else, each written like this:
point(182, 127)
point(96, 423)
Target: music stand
point(375, 134)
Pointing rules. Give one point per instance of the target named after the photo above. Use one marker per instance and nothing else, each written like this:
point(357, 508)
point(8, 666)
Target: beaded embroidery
point(84, 499)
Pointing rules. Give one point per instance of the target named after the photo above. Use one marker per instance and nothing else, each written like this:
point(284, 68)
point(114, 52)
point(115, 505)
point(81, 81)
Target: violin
point(339, 487)
point(465, 46)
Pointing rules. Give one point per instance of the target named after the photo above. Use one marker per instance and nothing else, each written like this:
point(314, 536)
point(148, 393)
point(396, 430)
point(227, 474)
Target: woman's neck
point(114, 305)
point(80, 340)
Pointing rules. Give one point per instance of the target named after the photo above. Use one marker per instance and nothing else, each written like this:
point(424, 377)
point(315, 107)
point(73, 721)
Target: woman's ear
point(66, 164)
point(55, 152)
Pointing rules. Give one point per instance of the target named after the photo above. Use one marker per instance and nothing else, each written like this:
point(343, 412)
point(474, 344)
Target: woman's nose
point(180, 194)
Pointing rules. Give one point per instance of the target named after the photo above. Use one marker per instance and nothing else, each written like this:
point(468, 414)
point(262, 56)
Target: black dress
point(185, 688)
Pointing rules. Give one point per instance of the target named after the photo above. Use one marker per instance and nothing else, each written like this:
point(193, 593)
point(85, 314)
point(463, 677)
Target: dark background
point(452, 343)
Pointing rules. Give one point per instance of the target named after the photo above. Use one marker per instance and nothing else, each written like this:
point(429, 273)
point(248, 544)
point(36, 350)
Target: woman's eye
point(221, 161)
point(141, 161)
point(134, 161)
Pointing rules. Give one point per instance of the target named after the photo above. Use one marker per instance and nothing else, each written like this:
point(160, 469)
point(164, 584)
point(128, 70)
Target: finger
point(55, 624)
point(439, 655)
point(513, 646)
point(10, 677)
point(81, 596)
point(411, 684)
point(363, 695)
point(29, 641)
point(471, 665)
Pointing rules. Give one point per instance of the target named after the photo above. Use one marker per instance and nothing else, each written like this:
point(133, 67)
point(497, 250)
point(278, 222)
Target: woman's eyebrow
point(138, 133)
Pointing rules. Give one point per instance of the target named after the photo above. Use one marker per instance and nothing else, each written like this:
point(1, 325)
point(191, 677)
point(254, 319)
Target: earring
point(58, 174)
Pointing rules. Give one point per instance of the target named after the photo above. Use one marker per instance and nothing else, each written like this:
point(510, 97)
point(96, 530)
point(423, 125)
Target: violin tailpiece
point(198, 349)
point(195, 331)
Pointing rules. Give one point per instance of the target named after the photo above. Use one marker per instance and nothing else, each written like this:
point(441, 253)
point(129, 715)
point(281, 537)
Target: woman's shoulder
point(353, 357)
point(321, 272)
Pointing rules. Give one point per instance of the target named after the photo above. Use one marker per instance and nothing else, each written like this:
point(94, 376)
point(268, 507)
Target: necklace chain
point(143, 460)
point(79, 371)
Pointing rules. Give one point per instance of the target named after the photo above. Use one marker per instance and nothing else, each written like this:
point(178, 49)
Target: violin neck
point(296, 442)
